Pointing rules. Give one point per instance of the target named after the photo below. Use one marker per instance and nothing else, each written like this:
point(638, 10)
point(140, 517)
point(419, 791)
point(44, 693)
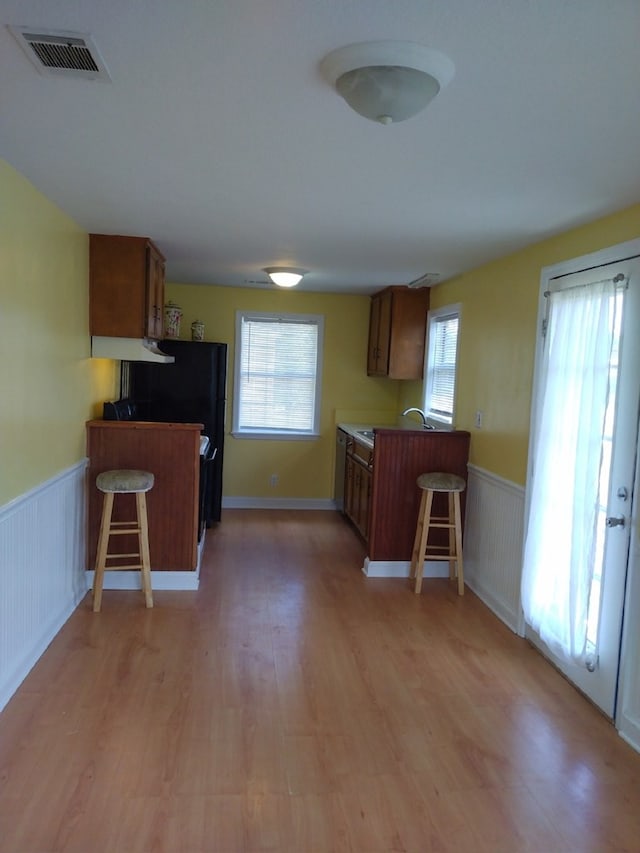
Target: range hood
point(129, 349)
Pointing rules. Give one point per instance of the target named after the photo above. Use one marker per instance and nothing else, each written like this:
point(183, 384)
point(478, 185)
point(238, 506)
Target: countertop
point(145, 425)
point(354, 431)
point(402, 424)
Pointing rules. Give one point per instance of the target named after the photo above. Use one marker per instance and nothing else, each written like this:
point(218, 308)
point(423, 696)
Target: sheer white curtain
point(560, 550)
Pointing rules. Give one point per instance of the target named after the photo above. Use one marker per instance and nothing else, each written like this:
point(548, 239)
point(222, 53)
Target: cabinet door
point(408, 331)
point(126, 287)
point(117, 275)
point(374, 327)
point(349, 487)
point(357, 495)
point(397, 329)
point(384, 332)
point(379, 334)
point(154, 293)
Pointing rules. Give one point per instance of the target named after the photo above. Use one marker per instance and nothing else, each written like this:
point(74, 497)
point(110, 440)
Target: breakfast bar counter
point(171, 452)
point(381, 497)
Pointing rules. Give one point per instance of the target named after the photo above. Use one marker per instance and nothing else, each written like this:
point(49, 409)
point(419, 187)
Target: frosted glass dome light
point(387, 81)
point(285, 276)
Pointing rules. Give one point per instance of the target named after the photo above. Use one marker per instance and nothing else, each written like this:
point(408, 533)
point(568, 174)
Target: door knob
point(615, 522)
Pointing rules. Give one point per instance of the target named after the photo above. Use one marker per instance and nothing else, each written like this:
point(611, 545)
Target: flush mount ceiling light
point(387, 81)
point(285, 276)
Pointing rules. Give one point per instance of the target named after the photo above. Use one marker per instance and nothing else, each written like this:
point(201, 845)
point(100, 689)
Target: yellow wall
point(304, 468)
point(497, 347)
point(498, 339)
point(49, 385)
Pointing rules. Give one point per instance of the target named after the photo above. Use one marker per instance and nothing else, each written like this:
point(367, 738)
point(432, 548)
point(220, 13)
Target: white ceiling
point(218, 137)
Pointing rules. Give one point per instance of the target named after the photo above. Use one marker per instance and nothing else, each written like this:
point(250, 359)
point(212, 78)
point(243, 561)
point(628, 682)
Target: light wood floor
point(293, 705)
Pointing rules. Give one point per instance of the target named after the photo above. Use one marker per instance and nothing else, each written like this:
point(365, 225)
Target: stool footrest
point(447, 557)
point(125, 531)
point(121, 556)
point(438, 548)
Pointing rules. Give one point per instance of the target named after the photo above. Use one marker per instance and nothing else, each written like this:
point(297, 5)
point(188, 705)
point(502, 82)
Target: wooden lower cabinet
point(382, 498)
point(171, 452)
point(357, 494)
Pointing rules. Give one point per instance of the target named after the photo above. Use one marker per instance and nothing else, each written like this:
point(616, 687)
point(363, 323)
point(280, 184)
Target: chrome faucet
point(422, 415)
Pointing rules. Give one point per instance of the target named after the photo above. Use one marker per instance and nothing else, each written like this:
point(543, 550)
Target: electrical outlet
point(479, 417)
point(273, 480)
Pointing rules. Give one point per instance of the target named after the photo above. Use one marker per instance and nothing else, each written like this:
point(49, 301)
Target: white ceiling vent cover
point(62, 53)
point(426, 280)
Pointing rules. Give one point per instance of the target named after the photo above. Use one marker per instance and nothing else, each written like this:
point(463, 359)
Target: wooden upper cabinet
point(126, 286)
point(397, 329)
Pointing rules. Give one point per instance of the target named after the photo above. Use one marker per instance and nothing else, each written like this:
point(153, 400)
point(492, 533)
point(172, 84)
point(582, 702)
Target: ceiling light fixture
point(285, 276)
point(387, 81)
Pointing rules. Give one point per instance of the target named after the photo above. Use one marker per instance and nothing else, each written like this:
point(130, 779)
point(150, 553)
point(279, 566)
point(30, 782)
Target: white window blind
point(277, 374)
point(440, 370)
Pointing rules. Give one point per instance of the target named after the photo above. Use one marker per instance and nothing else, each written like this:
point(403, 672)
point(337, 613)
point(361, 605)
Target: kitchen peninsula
point(171, 452)
point(381, 497)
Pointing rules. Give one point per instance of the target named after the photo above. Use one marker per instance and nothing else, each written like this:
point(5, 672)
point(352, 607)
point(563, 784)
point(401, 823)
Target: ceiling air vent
point(64, 53)
point(426, 280)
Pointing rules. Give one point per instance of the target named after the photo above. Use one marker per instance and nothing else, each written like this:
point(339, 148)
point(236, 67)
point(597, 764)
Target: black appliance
point(192, 389)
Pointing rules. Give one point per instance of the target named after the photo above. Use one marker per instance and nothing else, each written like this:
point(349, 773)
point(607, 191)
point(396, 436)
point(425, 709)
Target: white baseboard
point(631, 737)
point(278, 503)
point(159, 580)
point(400, 568)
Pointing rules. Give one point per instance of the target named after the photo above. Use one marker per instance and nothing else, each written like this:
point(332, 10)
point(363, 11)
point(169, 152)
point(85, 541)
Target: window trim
point(434, 316)
point(267, 433)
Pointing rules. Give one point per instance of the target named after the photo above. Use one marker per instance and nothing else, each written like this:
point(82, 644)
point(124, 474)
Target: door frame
point(612, 254)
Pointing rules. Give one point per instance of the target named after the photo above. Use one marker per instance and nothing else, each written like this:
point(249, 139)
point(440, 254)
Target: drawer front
point(363, 453)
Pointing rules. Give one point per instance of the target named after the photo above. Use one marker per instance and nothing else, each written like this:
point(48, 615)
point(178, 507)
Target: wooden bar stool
point(123, 482)
point(431, 484)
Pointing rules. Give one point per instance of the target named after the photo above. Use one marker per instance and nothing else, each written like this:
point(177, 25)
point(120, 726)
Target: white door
point(595, 671)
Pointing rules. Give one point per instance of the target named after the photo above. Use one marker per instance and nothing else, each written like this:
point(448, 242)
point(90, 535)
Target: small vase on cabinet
point(172, 318)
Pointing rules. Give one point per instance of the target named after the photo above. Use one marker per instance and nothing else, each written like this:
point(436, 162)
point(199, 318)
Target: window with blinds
point(278, 362)
point(440, 364)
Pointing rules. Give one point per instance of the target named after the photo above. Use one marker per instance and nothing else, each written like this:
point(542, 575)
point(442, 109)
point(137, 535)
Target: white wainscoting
point(493, 539)
point(42, 576)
